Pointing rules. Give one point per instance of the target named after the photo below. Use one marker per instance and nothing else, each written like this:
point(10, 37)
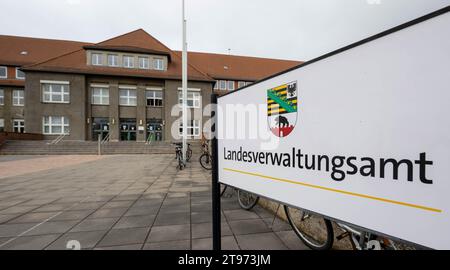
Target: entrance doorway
point(100, 128)
point(154, 130)
point(128, 129)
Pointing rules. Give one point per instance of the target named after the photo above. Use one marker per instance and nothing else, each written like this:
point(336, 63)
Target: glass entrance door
point(128, 129)
point(100, 128)
point(154, 130)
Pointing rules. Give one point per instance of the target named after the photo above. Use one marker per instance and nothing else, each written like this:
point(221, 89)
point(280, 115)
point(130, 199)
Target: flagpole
point(184, 85)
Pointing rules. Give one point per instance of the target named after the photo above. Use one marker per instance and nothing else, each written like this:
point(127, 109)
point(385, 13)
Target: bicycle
point(179, 156)
point(318, 234)
point(206, 158)
point(188, 150)
point(246, 200)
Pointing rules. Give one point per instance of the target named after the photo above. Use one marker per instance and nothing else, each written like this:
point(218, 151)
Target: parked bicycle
point(179, 156)
point(188, 151)
point(245, 199)
point(206, 158)
point(318, 234)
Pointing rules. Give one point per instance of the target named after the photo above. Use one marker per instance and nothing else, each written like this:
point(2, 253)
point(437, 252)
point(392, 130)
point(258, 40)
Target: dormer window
point(144, 63)
point(97, 59)
point(128, 61)
point(158, 64)
point(113, 60)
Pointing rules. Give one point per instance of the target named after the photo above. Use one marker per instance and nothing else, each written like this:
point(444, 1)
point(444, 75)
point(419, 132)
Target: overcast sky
point(289, 29)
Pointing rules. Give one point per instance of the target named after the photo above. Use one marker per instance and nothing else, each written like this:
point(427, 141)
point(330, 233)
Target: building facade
point(127, 88)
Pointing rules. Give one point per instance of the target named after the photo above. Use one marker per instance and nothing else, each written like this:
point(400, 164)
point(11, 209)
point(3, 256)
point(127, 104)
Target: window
point(144, 63)
point(154, 98)
point(193, 99)
point(158, 64)
point(193, 128)
point(3, 73)
point(2, 125)
point(241, 84)
point(97, 59)
point(100, 96)
point(2, 97)
point(127, 97)
point(248, 83)
point(55, 93)
point(55, 125)
point(18, 98)
point(113, 60)
point(216, 85)
point(223, 85)
point(20, 74)
point(230, 85)
point(19, 125)
point(128, 61)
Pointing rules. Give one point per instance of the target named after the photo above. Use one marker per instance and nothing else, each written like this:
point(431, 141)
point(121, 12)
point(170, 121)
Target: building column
point(114, 120)
point(141, 114)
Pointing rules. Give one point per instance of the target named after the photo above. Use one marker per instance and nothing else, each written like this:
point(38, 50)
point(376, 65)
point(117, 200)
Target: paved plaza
point(123, 202)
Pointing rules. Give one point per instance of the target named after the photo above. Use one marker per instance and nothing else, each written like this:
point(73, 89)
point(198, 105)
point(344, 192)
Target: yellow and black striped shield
point(282, 102)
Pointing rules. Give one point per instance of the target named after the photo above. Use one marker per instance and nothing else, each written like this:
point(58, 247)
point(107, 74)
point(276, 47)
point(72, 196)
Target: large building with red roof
point(124, 88)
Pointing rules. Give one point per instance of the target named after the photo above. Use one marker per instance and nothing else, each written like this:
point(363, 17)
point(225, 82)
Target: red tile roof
point(75, 62)
point(241, 68)
point(37, 49)
point(70, 57)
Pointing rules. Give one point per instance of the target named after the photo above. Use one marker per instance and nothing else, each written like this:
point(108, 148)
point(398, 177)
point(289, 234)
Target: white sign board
point(362, 135)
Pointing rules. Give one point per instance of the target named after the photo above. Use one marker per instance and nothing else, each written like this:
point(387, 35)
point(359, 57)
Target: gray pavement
point(128, 202)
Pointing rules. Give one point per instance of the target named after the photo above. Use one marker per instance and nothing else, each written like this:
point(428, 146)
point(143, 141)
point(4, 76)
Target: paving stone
point(121, 237)
point(172, 245)
point(11, 230)
point(117, 204)
point(228, 243)
point(34, 217)
point(277, 224)
point(135, 222)
point(95, 224)
point(87, 240)
point(291, 240)
point(108, 213)
point(52, 227)
point(125, 247)
point(239, 214)
point(30, 242)
point(142, 211)
point(169, 233)
point(204, 230)
point(73, 215)
point(260, 241)
point(172, 218)
point(248, 226)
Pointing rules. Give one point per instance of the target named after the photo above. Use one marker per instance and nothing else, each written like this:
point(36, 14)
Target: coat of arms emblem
point(282, 109)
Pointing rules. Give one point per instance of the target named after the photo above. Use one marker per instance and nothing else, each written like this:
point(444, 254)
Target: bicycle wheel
point(247, 200)
point(223, 188)
point(180, 162)
point(206, 162)
point(188, 154)
point(315, 231)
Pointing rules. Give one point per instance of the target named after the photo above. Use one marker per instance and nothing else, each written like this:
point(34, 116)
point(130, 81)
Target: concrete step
point(91, 148)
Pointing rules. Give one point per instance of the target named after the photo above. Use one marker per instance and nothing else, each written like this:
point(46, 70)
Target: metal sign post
point(184, 87)
point(215, 180)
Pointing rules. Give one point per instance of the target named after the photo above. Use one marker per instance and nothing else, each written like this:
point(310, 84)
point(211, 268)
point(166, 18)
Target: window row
point(55, 125)
point(128, 61)
point(20, 75)
point(193, 128)
point(18, 98)
point(18, 125)
point(229, 85)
